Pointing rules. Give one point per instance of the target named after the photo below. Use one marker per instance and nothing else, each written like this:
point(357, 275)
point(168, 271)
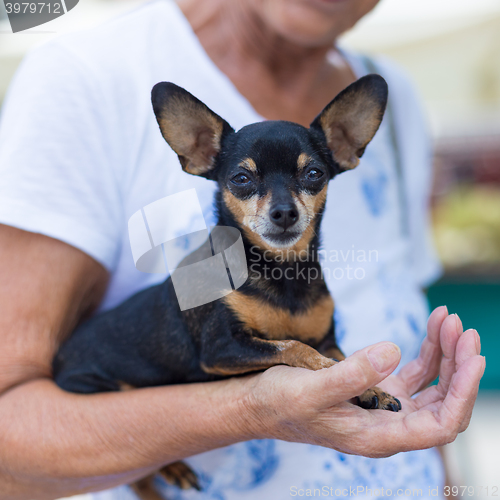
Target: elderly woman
point(80, 152)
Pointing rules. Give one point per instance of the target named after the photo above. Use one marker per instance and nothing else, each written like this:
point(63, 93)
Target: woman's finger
point(440, 423)
point(468, 346)
point(451, 330)
point(419, 373)
point(462, 393)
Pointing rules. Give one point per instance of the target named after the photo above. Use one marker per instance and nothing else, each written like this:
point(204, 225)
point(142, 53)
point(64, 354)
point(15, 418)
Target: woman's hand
point(312, 407)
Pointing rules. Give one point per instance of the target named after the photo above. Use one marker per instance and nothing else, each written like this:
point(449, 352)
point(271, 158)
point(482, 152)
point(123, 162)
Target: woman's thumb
point(357, 373)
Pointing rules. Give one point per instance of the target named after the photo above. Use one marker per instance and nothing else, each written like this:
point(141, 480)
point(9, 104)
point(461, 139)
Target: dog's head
point(272, 175)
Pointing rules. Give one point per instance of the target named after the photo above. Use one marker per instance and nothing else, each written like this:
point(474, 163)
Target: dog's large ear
point(350, 121)
point(193, 130)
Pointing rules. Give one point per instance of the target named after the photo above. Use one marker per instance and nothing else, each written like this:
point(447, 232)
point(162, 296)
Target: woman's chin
point(314, 23)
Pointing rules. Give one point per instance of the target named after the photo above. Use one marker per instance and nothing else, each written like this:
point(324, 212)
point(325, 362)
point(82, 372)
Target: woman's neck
point(280, 78)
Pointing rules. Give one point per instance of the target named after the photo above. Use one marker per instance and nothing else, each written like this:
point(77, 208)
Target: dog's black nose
point(284, 215)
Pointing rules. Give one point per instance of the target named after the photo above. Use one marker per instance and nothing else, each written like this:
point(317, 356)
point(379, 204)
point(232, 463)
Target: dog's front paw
point(376, 398)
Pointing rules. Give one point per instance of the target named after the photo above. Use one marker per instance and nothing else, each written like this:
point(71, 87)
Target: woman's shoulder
point(124, 47)
point(406, 103)
point(364, 63)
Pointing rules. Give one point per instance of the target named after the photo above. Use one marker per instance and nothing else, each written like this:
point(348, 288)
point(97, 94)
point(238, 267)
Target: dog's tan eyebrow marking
point(249, 164)
point(303, 160)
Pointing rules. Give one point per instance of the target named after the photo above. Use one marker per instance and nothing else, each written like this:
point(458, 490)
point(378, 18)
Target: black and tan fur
point(272, 182)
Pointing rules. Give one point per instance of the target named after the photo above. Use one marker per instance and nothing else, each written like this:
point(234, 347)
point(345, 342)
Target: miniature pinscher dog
point(272, 182)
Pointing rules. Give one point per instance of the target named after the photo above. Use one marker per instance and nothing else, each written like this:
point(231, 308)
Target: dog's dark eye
point(240, 179)
point(314, 174)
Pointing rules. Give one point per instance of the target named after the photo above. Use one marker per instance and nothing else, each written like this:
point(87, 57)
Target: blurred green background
point(477, 304)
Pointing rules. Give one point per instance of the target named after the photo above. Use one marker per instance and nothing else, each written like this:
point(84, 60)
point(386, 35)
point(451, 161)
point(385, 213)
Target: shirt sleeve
point(415, 150)
point(56, 175)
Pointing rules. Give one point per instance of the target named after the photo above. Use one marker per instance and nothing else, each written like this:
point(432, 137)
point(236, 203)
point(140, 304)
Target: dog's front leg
point(247, 353)
point(228, 349)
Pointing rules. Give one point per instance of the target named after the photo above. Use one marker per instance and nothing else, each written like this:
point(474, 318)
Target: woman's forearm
point(55, 444)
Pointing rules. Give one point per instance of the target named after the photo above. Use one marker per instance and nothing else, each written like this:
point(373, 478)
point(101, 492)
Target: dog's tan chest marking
point(278, 324)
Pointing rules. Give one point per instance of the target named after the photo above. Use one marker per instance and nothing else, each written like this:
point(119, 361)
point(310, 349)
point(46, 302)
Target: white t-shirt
point(80, 152)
